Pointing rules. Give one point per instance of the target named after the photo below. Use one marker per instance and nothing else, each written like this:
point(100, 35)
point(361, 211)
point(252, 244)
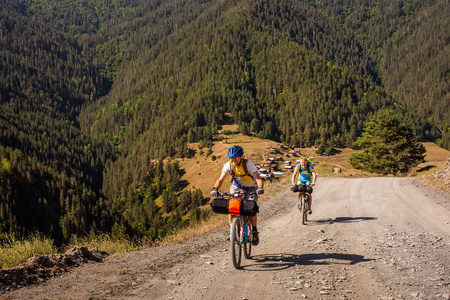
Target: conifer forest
point(96, 95)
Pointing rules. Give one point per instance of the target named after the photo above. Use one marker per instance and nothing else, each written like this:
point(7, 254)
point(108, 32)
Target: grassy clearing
point(435, 160)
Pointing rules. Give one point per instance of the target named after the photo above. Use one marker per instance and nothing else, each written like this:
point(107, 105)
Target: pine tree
point(389, 146)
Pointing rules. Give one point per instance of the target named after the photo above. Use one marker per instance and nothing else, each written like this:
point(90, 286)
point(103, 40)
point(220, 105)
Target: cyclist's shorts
point(307, 183)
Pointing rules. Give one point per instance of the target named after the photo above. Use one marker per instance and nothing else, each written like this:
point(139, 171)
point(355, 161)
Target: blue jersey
point(304, 175)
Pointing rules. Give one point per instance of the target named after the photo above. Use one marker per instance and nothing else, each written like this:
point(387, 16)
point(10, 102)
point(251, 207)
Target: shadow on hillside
point(271, 262)
point(426, 168)
point(227, 120)
point(182, 184)
point(341, 220)
point(335, 151)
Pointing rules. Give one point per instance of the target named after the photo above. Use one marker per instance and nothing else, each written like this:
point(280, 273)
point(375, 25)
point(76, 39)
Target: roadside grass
point(110, 245)
point(13, 252)
point(214, 222)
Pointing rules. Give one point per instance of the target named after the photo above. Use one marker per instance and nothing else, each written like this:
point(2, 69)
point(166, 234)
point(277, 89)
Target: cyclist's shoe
point(300, 206)
point(255, 239)
point(309, 211)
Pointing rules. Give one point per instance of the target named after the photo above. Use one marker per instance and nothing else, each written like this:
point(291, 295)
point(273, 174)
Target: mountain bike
point(303, 206)
point(240, 231)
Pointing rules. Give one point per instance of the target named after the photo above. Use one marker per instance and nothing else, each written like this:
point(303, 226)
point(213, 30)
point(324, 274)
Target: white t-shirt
point(241, 179)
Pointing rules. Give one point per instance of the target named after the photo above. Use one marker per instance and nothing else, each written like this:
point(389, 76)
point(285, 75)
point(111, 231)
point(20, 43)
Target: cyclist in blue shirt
point(306, 175)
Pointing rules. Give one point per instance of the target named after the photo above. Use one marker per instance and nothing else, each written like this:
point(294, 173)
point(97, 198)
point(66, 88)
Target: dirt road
point(369, 238)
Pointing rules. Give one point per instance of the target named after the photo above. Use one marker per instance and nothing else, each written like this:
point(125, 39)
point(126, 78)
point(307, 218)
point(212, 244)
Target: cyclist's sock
point(255, 240)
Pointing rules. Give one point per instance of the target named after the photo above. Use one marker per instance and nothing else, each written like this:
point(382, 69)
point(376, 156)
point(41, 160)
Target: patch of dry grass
point(212, 223)
point(13, 252)
point(436, 159)
point(109, 244)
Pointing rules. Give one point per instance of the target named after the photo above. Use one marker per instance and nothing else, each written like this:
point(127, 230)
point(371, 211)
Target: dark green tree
point(389, 146)
point(255, 125)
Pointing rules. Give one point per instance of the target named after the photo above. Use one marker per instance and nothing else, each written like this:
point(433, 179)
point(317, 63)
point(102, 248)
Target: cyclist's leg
point(309, 199)
point(299, 201)
point(310, 202)
point(253, 220)
point(255, 233)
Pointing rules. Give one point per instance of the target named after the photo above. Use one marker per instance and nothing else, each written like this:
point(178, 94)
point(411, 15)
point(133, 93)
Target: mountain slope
point(95, 94)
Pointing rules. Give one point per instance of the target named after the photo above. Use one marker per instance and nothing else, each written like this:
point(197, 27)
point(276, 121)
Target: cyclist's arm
point(314, 176)
point(258, 179)
point(220, 181)
point(293, 176)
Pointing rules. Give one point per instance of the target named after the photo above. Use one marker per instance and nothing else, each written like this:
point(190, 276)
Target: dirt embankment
point(440, 179)
point(40, 268)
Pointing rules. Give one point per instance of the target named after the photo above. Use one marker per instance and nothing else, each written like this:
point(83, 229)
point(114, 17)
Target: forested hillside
point(96, 93)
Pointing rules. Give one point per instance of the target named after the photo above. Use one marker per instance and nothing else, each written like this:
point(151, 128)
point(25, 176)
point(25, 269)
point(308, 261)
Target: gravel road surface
point(368, 238)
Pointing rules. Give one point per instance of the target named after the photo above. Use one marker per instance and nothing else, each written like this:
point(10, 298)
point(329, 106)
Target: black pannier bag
point(302, 188)
point(249, 207)
point(245, 207)
point(219, 205)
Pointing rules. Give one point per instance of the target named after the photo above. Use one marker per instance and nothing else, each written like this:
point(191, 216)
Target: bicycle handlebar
point(237, 195)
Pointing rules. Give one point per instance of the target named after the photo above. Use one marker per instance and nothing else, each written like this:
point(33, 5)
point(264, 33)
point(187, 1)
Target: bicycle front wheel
point(305, 209)
point(248, 245)
point(236, 250)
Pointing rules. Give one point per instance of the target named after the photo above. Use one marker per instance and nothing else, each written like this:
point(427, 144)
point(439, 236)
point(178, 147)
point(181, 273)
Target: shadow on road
point(271, 262)
point(341, 220)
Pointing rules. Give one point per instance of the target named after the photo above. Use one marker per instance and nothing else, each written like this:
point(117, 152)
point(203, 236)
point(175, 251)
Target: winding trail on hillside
point(368, 238)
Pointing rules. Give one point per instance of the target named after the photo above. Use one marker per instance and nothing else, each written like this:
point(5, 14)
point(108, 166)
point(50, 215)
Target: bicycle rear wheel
point(236, 250)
